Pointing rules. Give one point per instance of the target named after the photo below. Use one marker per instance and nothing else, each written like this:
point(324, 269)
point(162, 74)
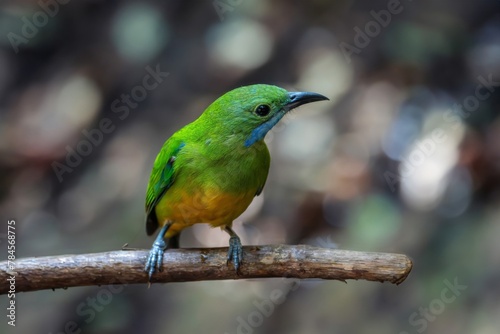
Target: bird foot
point(155, 258)
point(235, 252)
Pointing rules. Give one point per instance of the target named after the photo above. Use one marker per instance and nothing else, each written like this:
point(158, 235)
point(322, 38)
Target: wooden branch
point(184, 265)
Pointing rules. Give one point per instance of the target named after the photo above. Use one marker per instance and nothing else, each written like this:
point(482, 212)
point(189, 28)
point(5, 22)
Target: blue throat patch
point(260, 132)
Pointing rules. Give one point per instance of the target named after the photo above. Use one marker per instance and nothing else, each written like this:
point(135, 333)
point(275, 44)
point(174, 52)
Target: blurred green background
point(405, 158)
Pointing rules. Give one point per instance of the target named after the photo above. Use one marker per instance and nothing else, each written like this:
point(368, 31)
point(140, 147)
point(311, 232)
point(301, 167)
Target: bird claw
point(235, 252)
point(155, 258)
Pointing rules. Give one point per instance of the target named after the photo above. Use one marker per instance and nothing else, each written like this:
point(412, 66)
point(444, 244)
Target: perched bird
point(210, 170)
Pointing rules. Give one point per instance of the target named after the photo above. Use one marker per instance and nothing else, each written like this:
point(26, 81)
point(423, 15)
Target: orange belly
point(184, 208)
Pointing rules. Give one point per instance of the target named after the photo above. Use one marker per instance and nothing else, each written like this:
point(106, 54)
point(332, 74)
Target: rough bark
point(184, 265)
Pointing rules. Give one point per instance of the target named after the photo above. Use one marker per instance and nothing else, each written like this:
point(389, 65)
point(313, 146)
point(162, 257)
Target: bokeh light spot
point(139, 32)
point(243, 43)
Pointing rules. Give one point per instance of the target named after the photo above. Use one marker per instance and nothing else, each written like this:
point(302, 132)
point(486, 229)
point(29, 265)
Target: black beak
point(300, 98)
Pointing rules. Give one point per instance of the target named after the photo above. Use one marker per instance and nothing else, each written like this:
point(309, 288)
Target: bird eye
point(263, 110)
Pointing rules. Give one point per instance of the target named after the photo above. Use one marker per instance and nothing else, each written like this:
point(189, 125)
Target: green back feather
point(162, 177)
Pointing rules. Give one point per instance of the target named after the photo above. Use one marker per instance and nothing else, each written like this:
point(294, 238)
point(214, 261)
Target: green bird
point(210, 170)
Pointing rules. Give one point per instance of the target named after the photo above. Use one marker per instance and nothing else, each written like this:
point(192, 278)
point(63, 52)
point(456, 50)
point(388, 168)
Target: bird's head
point(254, 110)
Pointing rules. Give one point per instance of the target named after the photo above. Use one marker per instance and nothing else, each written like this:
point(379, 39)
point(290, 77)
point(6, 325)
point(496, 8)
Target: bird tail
point(152, 226)
point(174, 241)
point(151, 223)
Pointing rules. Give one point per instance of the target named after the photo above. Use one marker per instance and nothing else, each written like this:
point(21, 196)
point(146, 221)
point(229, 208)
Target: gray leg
point(155, 258)
point(235, 252)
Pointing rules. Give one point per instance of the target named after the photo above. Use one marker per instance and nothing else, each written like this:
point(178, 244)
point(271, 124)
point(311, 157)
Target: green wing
point(161, 179)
